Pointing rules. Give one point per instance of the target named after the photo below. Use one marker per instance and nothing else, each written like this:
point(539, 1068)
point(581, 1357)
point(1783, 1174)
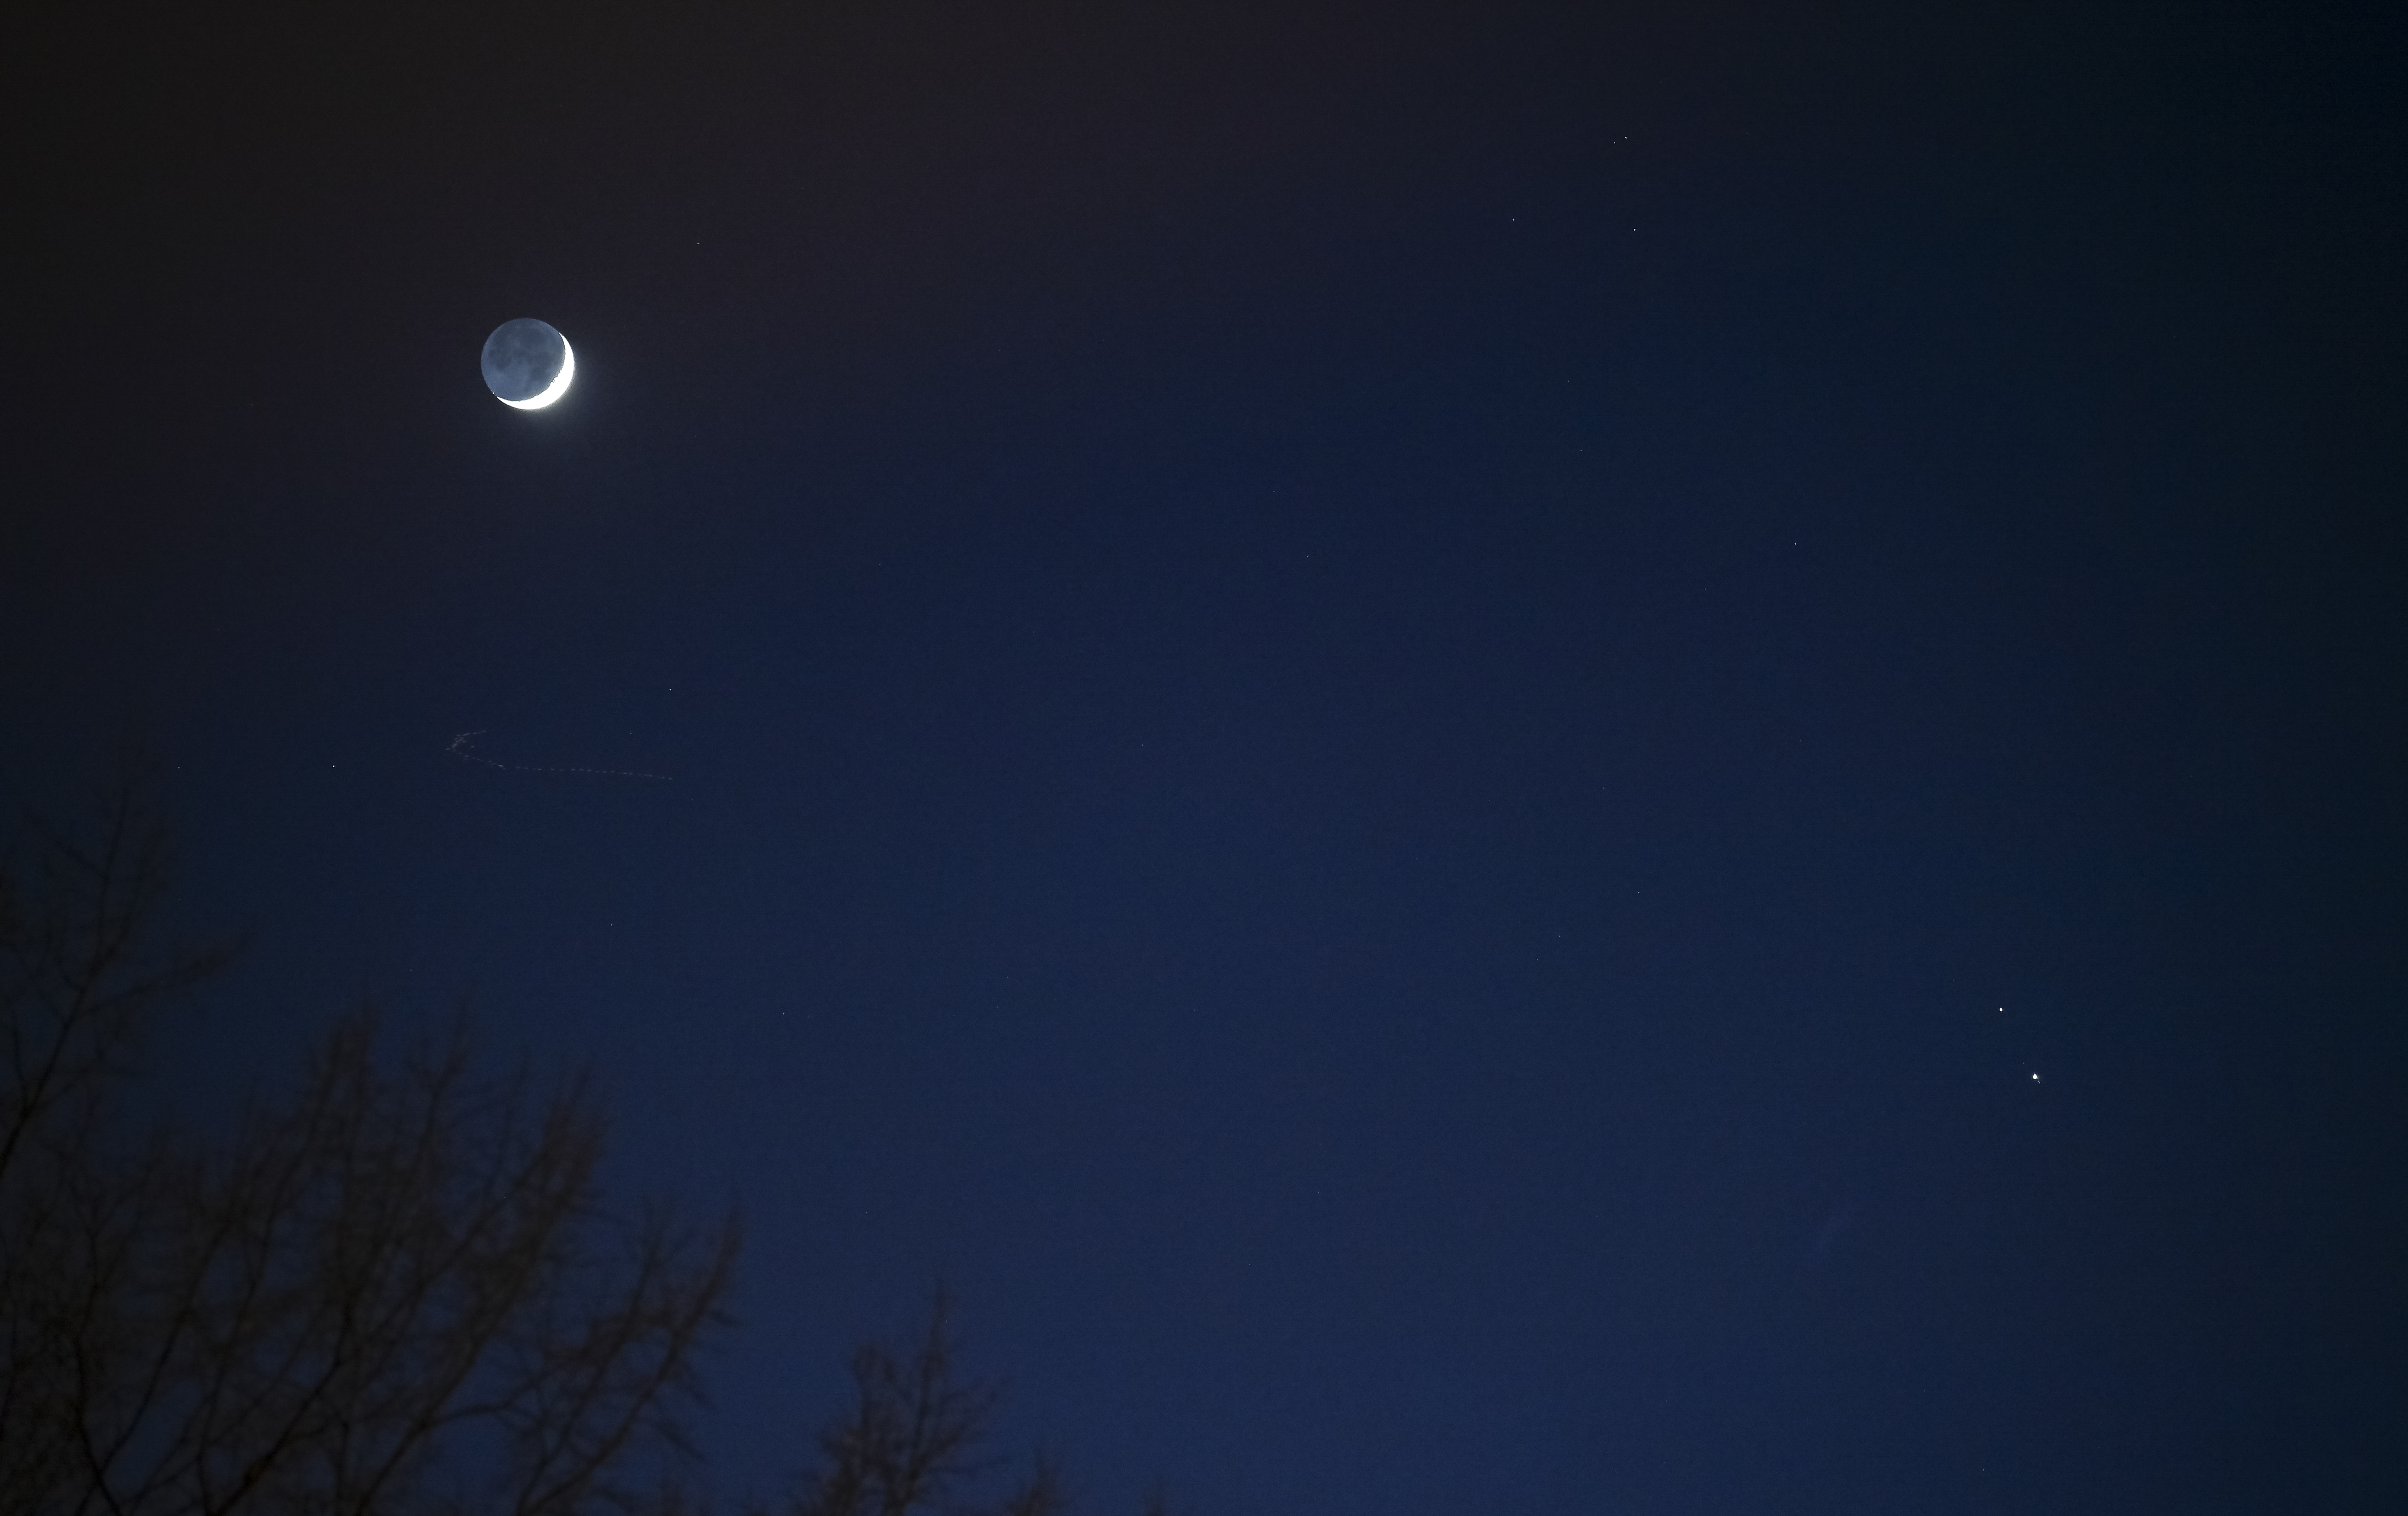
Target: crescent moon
point(558, 387)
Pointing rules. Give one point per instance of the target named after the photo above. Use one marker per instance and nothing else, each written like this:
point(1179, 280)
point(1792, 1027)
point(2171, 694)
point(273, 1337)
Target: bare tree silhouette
point(914, 1438)
point(917, 1439)
point(395, 1292)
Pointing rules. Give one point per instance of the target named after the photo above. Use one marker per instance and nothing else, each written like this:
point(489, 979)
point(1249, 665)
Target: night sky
point(1531, 759)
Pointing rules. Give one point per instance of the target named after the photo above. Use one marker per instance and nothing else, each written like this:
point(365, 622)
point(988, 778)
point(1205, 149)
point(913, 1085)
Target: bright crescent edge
point(559, 385)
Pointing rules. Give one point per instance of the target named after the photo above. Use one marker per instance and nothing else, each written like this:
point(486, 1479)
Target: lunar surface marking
point(559, 385)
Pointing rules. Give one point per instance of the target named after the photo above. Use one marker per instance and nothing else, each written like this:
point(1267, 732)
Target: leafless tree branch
point(395, 1292)
point(913, 1439)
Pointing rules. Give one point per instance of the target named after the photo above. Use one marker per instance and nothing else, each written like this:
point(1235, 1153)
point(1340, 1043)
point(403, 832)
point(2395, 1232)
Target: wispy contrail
point(462, 748)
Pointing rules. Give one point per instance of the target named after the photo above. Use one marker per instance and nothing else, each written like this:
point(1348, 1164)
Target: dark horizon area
point(1539, 758)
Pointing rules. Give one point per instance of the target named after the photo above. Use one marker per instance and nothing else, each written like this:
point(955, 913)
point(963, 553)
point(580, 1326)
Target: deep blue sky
point(1368, 705)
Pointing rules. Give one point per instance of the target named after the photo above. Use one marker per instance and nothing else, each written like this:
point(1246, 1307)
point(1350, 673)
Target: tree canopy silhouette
point(394, 1289)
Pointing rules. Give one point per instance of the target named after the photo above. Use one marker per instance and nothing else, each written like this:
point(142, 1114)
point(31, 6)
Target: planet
point(527, 364)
